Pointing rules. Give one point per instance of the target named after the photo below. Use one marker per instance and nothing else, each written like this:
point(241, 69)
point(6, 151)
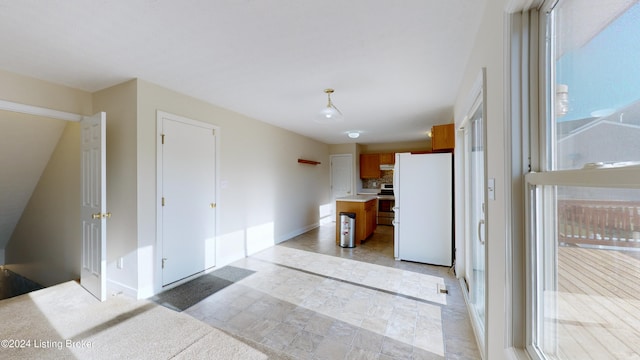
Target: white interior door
point(188, 198)
point(341, 178)
point(93, 274)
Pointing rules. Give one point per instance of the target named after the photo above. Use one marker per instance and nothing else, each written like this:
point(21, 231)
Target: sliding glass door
point(475, 207)
point(477, 219)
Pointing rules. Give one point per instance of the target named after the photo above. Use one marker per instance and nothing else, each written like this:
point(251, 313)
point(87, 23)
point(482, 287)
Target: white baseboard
point(115, 288)
point(295, 233)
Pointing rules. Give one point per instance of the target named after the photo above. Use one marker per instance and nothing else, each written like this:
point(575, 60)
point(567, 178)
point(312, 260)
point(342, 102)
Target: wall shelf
point(310, 162)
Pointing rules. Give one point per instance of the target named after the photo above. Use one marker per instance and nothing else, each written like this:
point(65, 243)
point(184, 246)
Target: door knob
point(212, 205)
point(96, 216)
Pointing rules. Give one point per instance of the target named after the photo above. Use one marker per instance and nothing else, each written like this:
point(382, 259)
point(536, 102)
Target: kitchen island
point(365, 207)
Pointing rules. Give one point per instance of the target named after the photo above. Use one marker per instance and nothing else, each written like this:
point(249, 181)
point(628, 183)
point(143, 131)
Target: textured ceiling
point(396, 66)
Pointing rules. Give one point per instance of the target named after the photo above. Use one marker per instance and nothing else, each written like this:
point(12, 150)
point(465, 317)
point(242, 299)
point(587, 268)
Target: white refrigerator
point(423, 189)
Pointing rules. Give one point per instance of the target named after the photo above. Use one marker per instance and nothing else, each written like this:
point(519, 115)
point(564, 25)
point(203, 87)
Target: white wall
point(265, 195)
point(46, 243)
point(120, 104)
point(22, 134)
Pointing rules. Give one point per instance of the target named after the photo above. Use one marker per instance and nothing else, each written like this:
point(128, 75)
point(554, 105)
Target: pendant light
point(330, 113)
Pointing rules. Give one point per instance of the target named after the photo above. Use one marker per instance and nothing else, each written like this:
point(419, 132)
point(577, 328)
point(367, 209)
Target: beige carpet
point(65, 321)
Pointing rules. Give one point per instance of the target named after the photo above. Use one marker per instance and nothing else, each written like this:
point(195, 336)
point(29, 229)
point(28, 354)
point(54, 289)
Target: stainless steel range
point(386, 202)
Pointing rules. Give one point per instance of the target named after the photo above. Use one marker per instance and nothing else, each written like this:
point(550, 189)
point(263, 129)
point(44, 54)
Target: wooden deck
point(597, 314)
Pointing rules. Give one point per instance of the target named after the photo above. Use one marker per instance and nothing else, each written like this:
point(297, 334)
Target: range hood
point(386, 167)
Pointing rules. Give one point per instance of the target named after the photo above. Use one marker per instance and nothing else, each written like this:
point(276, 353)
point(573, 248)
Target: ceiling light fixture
point(330, 113)
point(353, 134)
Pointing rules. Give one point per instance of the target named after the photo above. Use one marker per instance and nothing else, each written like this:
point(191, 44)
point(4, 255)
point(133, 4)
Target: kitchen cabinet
point(387, 158)
point(365, 207)
point(369, 166)
point(443, 137)
point(370, 218)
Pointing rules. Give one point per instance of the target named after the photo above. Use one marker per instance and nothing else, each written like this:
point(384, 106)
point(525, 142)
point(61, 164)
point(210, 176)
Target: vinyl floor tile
point(310, 299)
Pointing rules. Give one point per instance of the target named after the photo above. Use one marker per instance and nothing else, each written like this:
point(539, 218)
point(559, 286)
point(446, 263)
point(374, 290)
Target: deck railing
point(610, 223)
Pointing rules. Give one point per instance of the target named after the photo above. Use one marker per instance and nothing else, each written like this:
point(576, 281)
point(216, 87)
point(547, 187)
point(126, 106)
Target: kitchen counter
point(365, 207)
point(358, 198)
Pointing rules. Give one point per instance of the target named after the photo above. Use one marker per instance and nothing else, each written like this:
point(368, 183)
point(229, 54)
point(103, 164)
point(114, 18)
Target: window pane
point(596, 83)
point(588, 282)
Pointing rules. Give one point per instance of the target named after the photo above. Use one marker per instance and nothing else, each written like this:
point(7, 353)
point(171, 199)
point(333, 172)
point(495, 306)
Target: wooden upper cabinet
point(387, 158)
point(369, 166)
point(443, 137)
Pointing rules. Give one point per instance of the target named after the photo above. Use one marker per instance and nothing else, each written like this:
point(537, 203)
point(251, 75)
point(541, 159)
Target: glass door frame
point(473, 229)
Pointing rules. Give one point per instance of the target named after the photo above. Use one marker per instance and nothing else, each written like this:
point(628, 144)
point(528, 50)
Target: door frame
point(477, 98)
point(160, 115)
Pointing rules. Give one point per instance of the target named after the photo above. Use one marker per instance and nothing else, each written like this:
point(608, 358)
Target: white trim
point(295, 233)
point(514, 6)
point(39, 111)
point(473, 318)
point(622, 177)
point(160, 115)
point(115, 288)
point(513, 353)
point(512, 84)
point(474, 99)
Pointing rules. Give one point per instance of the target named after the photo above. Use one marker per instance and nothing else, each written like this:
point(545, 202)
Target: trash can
point(347, 229)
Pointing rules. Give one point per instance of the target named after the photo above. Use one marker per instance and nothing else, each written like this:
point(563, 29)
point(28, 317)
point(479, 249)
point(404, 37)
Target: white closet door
point(188, 192)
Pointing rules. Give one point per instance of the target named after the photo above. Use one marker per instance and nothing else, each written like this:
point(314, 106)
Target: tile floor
point(311, 299)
